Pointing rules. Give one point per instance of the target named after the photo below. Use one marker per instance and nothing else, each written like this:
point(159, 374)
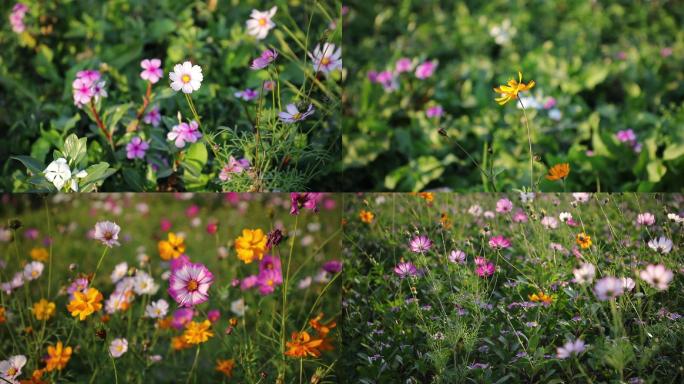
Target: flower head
point(157, 309)
point(558, 172)
point(251, 245)
point(510, 91)
point(293, 115)
point(570, 348)
point(585, 273)
point(661, 245)
point(434, 111)
point(646, 219)
point(85, 303)
point(406, 269)
point(420, 244)
point(58, 357)
point(260, 23)
point(58, 172)
point(107, 232)
point(247, 95)
point(189, 284)
point(303, 345)
point(308, 200)
point(608, 288)
point(267, 57)
point(233, 167)
point(426, 69)
point(583, 240)
point(184, 133)
point(541, 297)
point(499, 242)
point(43, 310)
point(39, 254)
point(33, 270)
point(366, 216)
point(10, 369)
point(152, 71)
point(153, 116)
point(118, 347)
point(186, 77)
point(504, 205)
point(326, 59)
point(225, 367)
point(196, 333)
point(171, 248)
point(657, 276)
point(136, 148)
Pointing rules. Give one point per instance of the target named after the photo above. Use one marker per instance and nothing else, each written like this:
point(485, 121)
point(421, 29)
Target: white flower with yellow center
point(118, 347)
point(186, 77)
point(260, 23)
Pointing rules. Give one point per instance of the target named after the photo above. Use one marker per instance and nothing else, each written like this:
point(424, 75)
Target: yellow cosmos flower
point(171, 248)
point(39, 254)
point(58, 357)
point(366, 216)
point(43, 309)
point(196, 333)
point(510, 91)
point(85, 304)
point(583, 240)
point(251, 245)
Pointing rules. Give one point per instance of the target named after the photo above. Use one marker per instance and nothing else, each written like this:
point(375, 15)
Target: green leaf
point(30, 163)
point(96, 174)
point(134, 179)
point(195, 158)
point(656, 170)
point(673, 151)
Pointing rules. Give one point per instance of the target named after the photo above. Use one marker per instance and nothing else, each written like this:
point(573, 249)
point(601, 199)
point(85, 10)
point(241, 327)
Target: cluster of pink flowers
point(233, 167)
point(629, 137)
point(484, 267)
point(87, 87)
point(184, 133)
point(269, 277)
point(17, 17)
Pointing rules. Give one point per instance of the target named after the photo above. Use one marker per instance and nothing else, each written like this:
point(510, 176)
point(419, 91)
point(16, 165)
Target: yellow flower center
point(263, 21)
point(325, 61)
point(11, 372)
point(297, 116)
point(185, 78)
point(192, 285)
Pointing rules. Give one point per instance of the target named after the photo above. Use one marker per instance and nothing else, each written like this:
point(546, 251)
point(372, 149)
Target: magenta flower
point(89, 75)
point(86, 87)
point(457, 256)
point(485, 269)
point(214, 315)
point(420, 244)
point(267, 57)
point(248, 282)
point(499, 242)
point(268, 280)
point(189, 284)
point(184, 133)
point(403, 65)
point(646, 219)
point(153, 116)
point(388, 80)
point(504, 205)
point(405, 270)
point(434, 111)
point(426, 69)
point(17, 17)
point(247, 95)
point(520, 216)
point(333, 266)
point(136, 148)
point(308, 200)
point(233, 167)
point(83, 92)
point(179, 262)
point(181, 317)
point(152, 71)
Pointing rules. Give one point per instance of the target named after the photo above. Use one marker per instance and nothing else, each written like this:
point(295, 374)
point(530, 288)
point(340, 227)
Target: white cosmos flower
point(585, 273)
point(10, 369)
point(661, 245)
point(186, 77)
point(33, 270)
point(119, 272)
point(144, 284)
point(118, 347)
point(58, 172)
point(326, 59)
point(157, 309)
point(238, 307)
point(260, 22)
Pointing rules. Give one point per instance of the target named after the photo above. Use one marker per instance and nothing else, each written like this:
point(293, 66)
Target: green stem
point(529, 141)
point(116, 376)
point(99, 263)
point(285, 284)
point(194, 364)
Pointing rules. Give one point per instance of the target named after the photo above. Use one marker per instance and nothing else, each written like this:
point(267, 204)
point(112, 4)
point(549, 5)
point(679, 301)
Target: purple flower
point(426, 69)
point(233, 166)
point(136, 148)
point(457, 256)
point(308, 200)
point(183, 133)
point(499, 242)
point(292, 115)
point(484, 268)
point(434, 111)
point(248, 282)
point(570, 348)
point(179, 262)
point(403, 65)
point(268, 280)
point(214, 315)
point(388, 80)
point(266, 58)
point(153, 116)
point(247, 95)
point(405, 270)
point(181, 317)
point(420, 244)
point(152, 71)
point(189, 284)
point(333, 266)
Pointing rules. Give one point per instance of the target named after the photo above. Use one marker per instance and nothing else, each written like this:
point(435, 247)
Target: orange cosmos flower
point(85, 304)
point(251, 245)
point(510, 92)
point(178, 343)
point(196, 333)
point(541, 297)
point(58, 357)
point(225, 366)
point(39, 254)
point(444, 220)
point(366, 216)
point(2, 315)
point(171, 248)
point(583, 240)
point(302, 345)
point(558, 172)
point(36, 378)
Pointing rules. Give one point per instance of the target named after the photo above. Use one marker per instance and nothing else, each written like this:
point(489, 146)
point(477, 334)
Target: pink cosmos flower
point(247, 95)
point(261, 22)
point(504, 205)
point(233, 167)
point(268, 280)
point(403, 65)
point(267, 57)
point(107, 232)
point(457, 256)
point(181, 317)
point(405, 270)
point(420, 244)
point(189, 284)
point(608, 288)
point(426, 69)
point(657, 276)
point(434, 111)
point(184, 133)
point(308, 200)
point(152, 71)
point(570, 348)
point(214, 315)
point(136, 148)
point(153, 116)
point(248, 282)
point(499, 242)
point(388, 80)
point(520, 216)
point(484, 267)
point(646, 219)
point(17, 17)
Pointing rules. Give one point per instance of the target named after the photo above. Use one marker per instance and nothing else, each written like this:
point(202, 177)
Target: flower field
point(174, 288)
point(169, 95)
point(494, 288)
point(500, 95)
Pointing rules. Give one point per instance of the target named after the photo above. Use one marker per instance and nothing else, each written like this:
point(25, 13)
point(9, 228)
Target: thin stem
point(116, 376)
point(285, 283)
point(100, 124)
point(194, 364)
point(47, 214)
point(529, 141)
point(99, 263)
